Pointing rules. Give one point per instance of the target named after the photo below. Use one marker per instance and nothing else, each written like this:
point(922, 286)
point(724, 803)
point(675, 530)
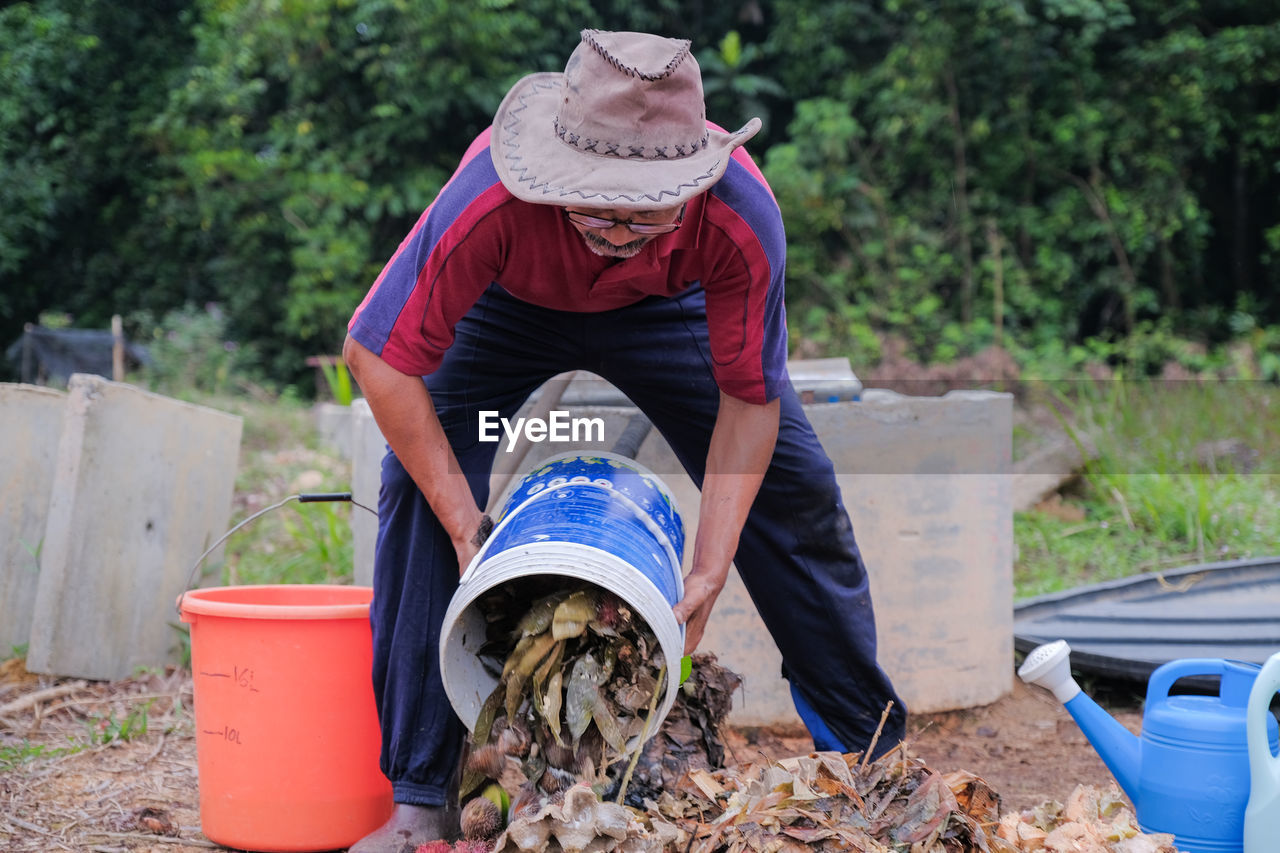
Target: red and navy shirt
point(476, 233)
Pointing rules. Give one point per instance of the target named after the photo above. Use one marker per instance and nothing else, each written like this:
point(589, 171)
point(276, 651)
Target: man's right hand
point(466, 553)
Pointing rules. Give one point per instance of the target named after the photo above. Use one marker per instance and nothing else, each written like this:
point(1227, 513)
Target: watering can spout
point(1049, 666)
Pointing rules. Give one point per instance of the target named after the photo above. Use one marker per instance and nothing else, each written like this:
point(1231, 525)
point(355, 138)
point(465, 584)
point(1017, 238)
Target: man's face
point(613, 233)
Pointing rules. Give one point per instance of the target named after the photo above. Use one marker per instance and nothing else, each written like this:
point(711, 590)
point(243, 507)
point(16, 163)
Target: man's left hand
point(701, 589)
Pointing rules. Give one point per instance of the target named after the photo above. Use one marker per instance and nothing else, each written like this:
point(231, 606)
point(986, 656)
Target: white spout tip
point(1049, 666)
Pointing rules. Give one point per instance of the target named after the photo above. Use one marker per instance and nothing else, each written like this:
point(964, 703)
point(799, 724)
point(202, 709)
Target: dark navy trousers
point(797, 555)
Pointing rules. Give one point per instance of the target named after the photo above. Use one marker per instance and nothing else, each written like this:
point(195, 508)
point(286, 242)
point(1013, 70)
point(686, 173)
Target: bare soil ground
point(86, 782)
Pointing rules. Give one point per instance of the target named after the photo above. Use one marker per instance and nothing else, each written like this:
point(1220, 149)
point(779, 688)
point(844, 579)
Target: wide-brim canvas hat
point(624, 127)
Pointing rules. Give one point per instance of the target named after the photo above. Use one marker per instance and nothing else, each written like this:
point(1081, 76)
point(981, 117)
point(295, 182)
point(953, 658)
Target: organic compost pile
point(579, 677)
point(563, 743)
point(830, 802)
point(689, 739)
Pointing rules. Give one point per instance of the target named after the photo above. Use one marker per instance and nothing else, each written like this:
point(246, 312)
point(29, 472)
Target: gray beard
point(605, 249)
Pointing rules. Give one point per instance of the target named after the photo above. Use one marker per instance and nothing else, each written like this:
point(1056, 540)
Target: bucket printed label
point(602, 502)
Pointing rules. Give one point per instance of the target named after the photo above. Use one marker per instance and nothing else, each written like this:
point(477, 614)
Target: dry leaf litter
point(562, 739)
point(92, 783)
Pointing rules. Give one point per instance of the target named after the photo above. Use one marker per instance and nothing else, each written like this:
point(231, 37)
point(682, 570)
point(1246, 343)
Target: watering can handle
point(1260, 697)
point(1164, 677)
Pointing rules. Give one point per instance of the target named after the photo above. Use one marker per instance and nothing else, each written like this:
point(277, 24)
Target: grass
point(1184, 473)
point(99, 731)
point(13, 755)
point(281, 455)
point(108, 729)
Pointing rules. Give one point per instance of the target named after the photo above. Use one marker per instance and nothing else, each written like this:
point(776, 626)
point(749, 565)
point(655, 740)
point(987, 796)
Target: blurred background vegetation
point(1076, 181)
point(1083, 188)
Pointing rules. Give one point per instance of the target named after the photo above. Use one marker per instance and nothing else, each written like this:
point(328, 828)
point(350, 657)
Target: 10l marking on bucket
point(226, 733)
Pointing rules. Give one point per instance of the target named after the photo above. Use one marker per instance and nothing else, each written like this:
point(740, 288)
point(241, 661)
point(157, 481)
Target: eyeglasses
point(643, 228)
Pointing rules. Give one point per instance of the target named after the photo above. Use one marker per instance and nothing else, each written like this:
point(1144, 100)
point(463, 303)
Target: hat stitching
point(613, 149)
point(589, 36)
point(521, 175)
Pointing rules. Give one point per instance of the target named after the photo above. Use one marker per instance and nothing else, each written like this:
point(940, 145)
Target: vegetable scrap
point(579, 822)
point(690, 736)
point(462, 846)
point(578, 682)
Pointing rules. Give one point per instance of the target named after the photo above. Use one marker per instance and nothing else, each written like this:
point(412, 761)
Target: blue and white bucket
point(595, 517)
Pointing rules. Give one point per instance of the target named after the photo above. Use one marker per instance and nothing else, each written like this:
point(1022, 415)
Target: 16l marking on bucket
point(241, 677)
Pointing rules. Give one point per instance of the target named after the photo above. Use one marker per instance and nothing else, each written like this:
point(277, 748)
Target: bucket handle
point(304, 498)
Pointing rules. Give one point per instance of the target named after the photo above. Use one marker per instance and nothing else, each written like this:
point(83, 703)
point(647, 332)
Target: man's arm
point(741, 448)
point(405, 414)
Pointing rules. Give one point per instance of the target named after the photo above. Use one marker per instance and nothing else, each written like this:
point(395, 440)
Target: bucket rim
point(198, 602)
point(596, 567)
point(627, 461)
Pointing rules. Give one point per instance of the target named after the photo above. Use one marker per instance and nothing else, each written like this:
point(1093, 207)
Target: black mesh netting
point(52, 355)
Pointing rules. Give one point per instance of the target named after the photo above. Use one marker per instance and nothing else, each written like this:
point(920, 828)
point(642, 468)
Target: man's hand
point(700, 594)
point(466, 553)
point(741, 449)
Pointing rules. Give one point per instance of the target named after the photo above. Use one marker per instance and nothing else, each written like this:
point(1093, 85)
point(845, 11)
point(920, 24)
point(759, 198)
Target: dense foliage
point(1041, 174)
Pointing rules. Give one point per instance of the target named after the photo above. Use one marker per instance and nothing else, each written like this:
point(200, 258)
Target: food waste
point(561, 760)
point(579, 677)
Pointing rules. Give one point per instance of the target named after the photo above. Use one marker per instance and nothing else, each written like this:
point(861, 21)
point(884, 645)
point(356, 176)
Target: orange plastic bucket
point(287, 738)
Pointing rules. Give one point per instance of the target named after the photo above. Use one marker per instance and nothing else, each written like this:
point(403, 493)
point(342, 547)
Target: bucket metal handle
point(305, 497)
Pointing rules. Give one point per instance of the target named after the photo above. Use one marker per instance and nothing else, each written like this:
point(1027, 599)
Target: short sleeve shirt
point(476, 233)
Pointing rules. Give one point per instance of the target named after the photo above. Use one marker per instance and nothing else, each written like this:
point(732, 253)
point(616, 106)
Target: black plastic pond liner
point(1125, 629)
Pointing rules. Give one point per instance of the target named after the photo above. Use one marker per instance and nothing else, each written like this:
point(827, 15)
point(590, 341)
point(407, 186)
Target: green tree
point(1058, 170)
point(1041, 174)
point(307, 137)
point(78, 81)
point(735, 93)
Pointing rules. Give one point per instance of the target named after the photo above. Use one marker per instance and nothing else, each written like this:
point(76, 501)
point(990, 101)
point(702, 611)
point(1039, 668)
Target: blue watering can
point(1188, 773)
